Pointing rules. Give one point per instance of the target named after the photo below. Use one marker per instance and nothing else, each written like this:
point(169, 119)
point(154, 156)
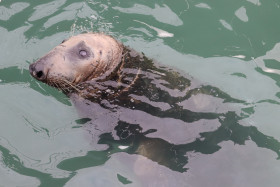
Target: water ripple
point(230, 49)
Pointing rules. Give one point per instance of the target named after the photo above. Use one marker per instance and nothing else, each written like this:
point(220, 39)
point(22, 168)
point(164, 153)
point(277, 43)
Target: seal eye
point(83, 53)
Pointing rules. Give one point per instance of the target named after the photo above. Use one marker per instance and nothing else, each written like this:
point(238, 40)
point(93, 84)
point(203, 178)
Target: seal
point(97, 67)
point(134, 105)
point(107, 81)
point(115, 87)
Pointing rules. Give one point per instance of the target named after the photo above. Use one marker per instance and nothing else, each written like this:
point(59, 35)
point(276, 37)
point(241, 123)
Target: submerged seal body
point(151, 110)
point(100, 74)
point(115, 86)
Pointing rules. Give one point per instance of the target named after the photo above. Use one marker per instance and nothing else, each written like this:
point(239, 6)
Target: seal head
point(78, 59)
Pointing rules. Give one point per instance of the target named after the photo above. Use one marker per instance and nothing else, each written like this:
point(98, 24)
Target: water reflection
point(201, 119)
point(157, 95)
point(165, 153)
point(153, 119)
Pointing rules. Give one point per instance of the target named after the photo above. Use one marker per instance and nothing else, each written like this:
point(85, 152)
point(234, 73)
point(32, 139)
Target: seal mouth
point(63, 84)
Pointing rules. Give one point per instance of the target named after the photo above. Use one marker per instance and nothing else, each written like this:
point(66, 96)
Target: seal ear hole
point(64, 41)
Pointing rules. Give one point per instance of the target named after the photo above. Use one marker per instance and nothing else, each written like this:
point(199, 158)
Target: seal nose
point(37, 71)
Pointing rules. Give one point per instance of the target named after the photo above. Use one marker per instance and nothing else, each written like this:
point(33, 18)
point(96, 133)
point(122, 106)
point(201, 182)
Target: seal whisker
point(57, 85)
point(63, 86)
point(54, 83)
point(71, 85)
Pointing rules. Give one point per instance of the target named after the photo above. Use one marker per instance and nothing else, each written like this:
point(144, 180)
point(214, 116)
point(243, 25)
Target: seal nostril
point(39, 74)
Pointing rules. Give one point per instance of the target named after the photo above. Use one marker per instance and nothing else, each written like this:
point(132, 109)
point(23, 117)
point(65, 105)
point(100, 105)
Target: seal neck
point(120, 79)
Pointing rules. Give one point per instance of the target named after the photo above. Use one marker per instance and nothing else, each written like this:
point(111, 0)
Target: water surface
point(232, 47)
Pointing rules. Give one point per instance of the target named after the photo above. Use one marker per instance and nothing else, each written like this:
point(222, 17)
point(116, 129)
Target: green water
point(231, 45)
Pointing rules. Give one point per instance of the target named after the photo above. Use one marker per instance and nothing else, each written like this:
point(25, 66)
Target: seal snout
point(38, 71)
